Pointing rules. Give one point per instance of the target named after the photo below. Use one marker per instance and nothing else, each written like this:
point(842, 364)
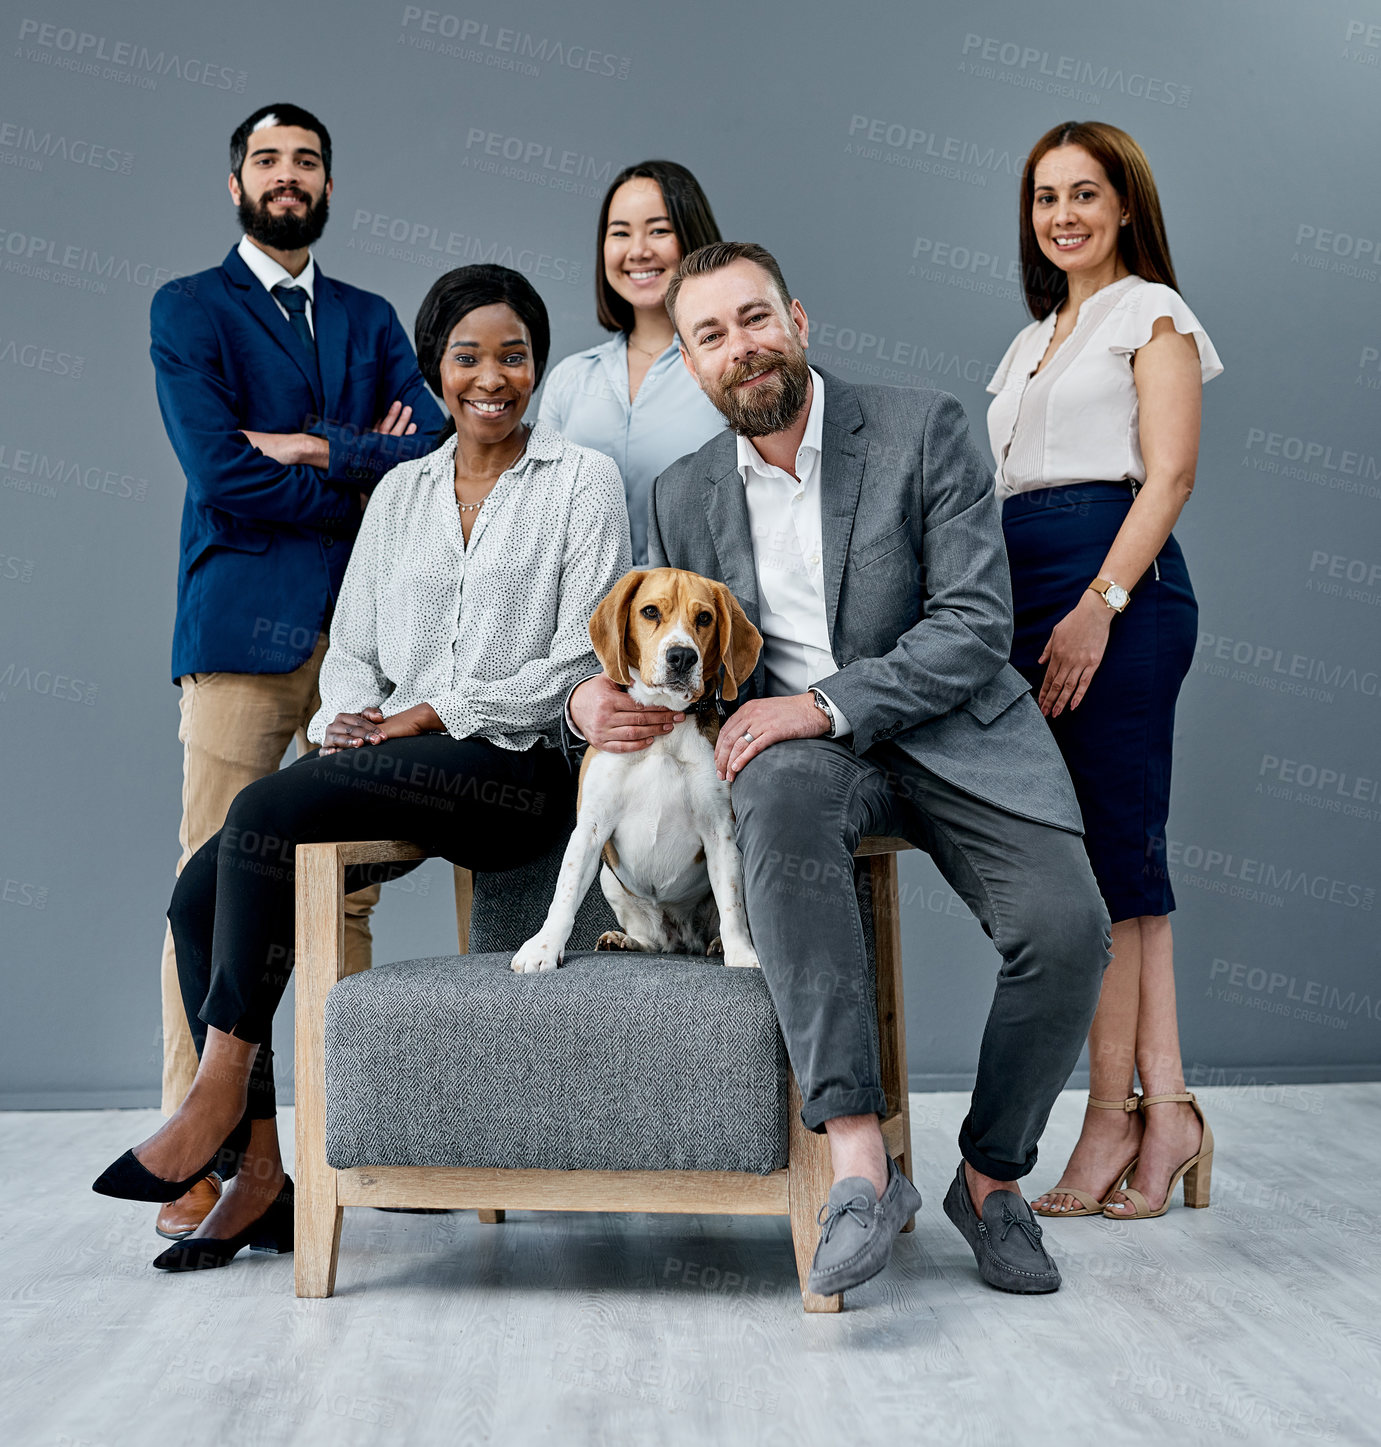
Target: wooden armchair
point(322, 1191)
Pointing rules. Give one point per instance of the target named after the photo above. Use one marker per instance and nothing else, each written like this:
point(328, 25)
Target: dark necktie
point(294, 301)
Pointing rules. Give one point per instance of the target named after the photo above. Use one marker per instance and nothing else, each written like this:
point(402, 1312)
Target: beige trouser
point(236, 728)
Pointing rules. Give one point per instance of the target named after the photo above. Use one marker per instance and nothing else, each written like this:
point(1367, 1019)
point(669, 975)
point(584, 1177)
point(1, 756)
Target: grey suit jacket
point(917, 592)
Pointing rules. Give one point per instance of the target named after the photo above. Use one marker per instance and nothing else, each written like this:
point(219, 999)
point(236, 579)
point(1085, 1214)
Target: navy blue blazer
point(264, 546)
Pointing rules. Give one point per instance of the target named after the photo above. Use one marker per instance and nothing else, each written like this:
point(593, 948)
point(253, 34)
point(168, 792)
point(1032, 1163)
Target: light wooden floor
point(1254, 1321)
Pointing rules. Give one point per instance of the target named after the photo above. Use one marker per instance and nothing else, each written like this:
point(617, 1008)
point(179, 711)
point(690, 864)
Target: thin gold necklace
point(475, 506)
point(644, 350)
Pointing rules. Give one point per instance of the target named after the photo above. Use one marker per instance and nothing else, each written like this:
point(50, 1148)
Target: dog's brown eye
point(651, 613)
point(703, 620)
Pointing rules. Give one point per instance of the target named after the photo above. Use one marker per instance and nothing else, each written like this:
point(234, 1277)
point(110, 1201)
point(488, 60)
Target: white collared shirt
point(271, 274)
point(493, 633)
point(788, 552)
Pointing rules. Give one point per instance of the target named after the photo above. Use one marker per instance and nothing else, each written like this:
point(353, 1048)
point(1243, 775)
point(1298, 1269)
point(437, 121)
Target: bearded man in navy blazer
point(286, 395)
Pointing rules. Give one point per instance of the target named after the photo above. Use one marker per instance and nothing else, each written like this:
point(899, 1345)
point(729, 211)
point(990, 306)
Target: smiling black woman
point(460, 628)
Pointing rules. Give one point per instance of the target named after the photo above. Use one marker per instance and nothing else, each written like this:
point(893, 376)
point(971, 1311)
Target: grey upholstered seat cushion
point(614, 1062)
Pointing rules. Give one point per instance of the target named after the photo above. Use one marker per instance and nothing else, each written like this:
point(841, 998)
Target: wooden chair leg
point(809, 1178)
point(320, 964)
point(891, 1011)
point(465, 895)
point(491, 1218)
point(316, 1246)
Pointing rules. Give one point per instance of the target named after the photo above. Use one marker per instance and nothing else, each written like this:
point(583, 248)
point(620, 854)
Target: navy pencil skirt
point(1117, 743)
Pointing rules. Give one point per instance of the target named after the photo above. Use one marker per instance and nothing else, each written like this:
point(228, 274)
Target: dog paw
point(614, 939)
point(742, 959)
point(535, 957)
point(715, 946)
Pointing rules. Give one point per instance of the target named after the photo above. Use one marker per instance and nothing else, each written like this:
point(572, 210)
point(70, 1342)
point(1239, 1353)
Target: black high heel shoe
point(128, 1179)
point(272, 1233)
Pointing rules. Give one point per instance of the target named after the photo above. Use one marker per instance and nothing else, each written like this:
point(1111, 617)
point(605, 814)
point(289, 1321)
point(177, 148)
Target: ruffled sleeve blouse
point(1078, 419)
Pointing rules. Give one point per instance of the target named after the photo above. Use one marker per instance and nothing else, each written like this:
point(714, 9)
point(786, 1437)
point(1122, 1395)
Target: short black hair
point(688, 210)
point(457, 293)
point(278, 115)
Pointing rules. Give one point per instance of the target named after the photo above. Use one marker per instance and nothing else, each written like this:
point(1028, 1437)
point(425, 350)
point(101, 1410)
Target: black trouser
point(233, 915)
point(801, 808)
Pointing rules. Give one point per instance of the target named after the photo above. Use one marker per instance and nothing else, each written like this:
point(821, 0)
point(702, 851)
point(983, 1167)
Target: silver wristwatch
point(823, 704)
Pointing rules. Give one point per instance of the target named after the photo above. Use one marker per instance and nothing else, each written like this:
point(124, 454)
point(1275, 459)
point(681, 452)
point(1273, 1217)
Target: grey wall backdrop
point(876, 149)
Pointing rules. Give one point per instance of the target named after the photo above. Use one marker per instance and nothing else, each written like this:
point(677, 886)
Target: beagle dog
point(660, 818)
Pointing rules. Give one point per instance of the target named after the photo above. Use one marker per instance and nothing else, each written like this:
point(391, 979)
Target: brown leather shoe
point(181, 1217)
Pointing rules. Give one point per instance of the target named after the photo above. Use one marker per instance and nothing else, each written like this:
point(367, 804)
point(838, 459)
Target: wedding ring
point(747, 737)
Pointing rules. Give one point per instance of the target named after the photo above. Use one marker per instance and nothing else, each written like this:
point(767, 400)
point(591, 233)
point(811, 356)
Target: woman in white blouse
point(632, 398)
point(461, 625)
point(1095, 431)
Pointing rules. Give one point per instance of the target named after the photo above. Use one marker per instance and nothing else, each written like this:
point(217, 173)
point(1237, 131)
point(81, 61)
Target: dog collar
point(713, 704)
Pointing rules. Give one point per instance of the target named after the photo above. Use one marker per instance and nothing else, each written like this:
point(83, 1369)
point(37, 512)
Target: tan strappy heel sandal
point(1089, 1204)
point(1197, 1171)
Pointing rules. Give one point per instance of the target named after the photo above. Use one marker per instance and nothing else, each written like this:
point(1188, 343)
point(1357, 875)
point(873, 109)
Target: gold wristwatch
point(1113, 594)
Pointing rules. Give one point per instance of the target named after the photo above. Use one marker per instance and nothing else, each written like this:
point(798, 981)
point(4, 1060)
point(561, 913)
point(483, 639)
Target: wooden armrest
point(880, 844)
point(321, 907)
point(380, 851)
point(372, 851)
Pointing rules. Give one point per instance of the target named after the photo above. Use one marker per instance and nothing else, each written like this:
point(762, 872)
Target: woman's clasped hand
point(369, 726)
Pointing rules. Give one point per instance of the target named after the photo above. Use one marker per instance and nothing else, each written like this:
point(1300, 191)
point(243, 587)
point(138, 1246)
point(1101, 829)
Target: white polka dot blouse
point(494, 634)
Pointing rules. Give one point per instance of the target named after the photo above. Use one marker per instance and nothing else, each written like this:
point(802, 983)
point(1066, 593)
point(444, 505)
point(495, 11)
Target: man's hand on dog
point(768, 721)
point(369, 726)
point(612, 721)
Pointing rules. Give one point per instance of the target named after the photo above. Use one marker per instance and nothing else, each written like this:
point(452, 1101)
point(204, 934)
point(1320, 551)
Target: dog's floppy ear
point(739, 642)
point(609, 625)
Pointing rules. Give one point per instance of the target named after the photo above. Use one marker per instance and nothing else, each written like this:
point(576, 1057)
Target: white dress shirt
point(493, 634)
point(585, 398)
point(784, 514)
point(1078, 418)
point(271, 274)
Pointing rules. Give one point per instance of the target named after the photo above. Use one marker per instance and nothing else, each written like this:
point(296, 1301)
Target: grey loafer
point(857, 1229)
point(1006, 1241)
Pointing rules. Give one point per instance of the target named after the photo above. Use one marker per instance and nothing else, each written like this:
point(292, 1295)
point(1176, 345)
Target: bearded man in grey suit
point(859, 530)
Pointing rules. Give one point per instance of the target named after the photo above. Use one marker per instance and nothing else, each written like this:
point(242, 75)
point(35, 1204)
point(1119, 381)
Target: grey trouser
point(801, 808)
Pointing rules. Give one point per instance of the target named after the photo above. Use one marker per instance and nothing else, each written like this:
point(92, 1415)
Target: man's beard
point(288, 232)
point(771, 406)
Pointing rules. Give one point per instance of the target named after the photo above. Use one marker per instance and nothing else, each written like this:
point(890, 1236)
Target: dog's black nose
point(681, 661)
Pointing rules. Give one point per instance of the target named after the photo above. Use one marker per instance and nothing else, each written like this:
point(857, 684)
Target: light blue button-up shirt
point(586, 399)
